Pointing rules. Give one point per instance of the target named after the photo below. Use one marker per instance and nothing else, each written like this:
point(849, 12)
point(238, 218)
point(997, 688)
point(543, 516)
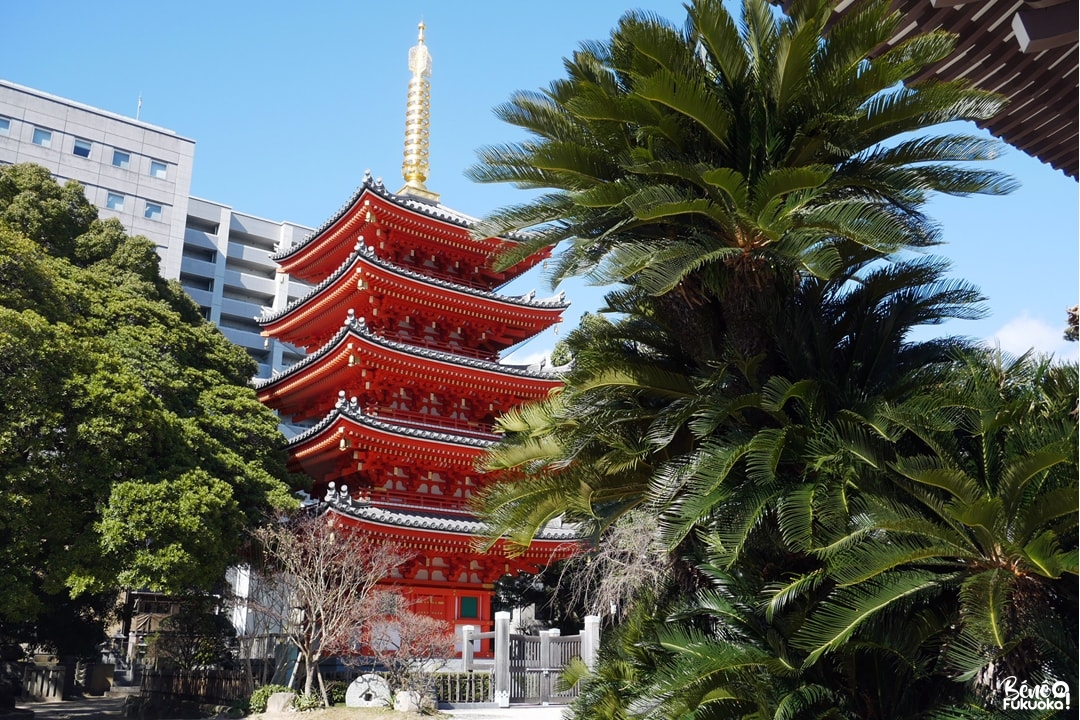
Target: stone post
point(502, 659)
point(467, 648)
point(590, 640)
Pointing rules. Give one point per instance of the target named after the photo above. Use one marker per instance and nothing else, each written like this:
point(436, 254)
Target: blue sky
point(290, 103)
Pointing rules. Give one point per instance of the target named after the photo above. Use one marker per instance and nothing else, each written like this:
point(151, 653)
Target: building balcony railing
point(436, 423)
point(418, 501)
point(431, 343)
point(456, 278)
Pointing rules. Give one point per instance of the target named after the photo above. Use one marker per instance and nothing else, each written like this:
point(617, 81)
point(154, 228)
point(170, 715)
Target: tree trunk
point(307, 673)
point(247, 646)
point(312, 672)
point(696, 326)
point(295, 669)
point(322, 687)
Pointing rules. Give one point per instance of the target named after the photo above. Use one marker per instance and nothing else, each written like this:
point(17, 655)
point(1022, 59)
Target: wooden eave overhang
point(1026, 51)
point(307, 321)
point(372, 210)
point(339, 364)
point(347, 427)
point(449, 533)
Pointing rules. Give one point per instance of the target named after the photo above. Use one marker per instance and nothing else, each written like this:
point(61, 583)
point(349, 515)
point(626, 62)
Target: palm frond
point(1019, 472)
point(839, 617)
point(783, 595)
point(983, 597)
point(929, 470)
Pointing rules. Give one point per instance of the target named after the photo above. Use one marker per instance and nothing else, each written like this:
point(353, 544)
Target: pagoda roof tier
point(452, 533)
point(307, 388)
point(320, 449)
point(363, 275)
point(412, 223)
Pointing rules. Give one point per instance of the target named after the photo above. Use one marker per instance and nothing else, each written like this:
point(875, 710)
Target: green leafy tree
point(132, 449)
point(195, 637)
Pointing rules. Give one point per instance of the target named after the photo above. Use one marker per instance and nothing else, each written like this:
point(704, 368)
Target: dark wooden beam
point(1045, 28)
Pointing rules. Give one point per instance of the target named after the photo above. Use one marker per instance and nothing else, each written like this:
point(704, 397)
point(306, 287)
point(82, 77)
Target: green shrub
point(335, 691)
point(258, 700)
point(307, 701)
point(238, 709)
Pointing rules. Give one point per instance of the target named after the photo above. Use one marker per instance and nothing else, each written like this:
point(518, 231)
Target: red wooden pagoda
point(401, 384)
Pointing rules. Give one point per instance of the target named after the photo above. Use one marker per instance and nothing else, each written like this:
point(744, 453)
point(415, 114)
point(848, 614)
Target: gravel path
point(108, 708)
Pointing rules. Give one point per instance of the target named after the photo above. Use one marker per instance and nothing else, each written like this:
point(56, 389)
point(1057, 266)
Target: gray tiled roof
point(352, 410)
point(434, 210)
point(442, 522)
point(358, 326)
point(526, 300)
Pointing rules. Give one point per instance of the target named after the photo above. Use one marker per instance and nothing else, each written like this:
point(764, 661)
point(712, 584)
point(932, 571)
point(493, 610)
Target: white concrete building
point(141, 174)
point(227, 269)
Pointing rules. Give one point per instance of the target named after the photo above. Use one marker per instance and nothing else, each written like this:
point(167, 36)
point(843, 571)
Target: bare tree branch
point(319, 581)
point(630, 559)
point(409, 646)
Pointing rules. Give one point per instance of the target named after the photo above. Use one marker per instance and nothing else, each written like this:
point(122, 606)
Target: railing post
point(547, 664)
point(467, 648)
point(502, 659)
point(590, 640)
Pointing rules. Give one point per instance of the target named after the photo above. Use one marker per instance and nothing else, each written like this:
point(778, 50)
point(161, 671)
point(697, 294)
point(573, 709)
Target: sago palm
point(790, 443)
point(588, 451)
point(985, 522)
point(716, 164)
point(898, 564)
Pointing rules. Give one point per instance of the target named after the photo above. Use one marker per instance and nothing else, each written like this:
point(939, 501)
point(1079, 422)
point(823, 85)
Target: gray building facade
point(226, 268)
point(141, 174)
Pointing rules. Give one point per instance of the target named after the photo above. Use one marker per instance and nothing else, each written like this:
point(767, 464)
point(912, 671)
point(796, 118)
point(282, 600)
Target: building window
point(470, 607)
point(121, 159)
point(114, 201)
point(82, 148)
point(152, 212)
point(158, 169)
point(5, 126)
point(42, 137)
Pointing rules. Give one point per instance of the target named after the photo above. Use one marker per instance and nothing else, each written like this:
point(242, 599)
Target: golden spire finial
point(418, 122)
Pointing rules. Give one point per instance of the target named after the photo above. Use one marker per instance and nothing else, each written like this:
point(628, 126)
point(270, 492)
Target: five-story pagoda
point(401, 383)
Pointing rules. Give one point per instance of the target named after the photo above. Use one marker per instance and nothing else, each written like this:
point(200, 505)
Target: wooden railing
point(466, 687)
point(442, 503)
point(203, 686)
point(43, 682)
point(446, 346)
point(437, 423)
